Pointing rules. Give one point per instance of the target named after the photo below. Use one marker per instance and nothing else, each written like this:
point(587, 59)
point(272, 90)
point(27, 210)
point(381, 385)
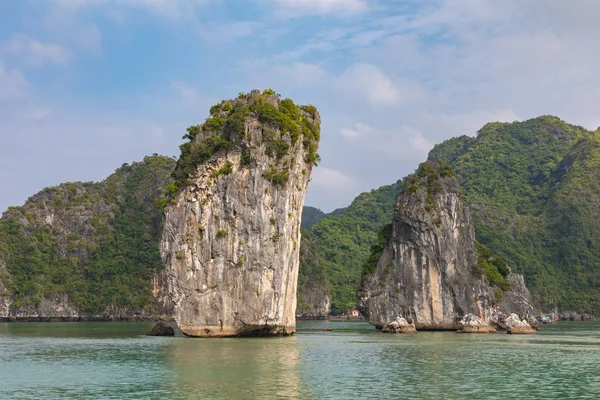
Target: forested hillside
point(94, 245)
point(344, 239)
point(534, 189)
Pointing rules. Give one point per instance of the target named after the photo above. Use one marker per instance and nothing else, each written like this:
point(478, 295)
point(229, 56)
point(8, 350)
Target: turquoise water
point(116, 361)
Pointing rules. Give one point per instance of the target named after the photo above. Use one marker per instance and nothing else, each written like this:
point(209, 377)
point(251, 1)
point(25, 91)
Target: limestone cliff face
point(427, 272)
point(231, 239)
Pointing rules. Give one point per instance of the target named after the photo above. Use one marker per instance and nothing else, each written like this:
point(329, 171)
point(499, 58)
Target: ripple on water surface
point(115, 361)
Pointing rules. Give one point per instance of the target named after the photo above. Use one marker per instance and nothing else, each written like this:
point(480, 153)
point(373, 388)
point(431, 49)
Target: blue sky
point(86, 85)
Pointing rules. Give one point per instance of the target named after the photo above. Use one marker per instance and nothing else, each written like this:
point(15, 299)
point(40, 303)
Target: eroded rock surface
point(516, 325)
point(161, 329)
point(232, 233)
point(428, 270)
point(399, 325)
point(473, 324)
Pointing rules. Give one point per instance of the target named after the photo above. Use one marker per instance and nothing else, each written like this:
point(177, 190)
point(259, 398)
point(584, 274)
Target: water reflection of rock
point(235, 368)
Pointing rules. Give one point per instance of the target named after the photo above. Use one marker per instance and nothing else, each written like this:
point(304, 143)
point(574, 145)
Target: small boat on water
point(547, 318)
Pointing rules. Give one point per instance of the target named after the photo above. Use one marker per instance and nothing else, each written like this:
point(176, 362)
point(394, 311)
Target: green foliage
point(277, 147)
point(313, 279)
point(310, 216)
point(383, 238)
point(215, 110)
point(236, 120)
point(246, 158)
point(109, 267)
point(277, 177)
point(221, 234)
point(533, 189)
point(310, 109)
point(214, 124)
point(344, 238)
point(195, 153)
point(427, 178)
point(223, 131)
point(494, 267)
point(226, 169)
point(269, 92)
point(267, 113)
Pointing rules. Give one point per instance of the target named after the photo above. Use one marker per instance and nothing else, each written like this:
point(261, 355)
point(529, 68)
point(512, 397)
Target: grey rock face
point(314, 303)
point(425, 273)
point(230, 243)
point(473, 324)
point(399, 325)
point(161, 329)
point(516, 325)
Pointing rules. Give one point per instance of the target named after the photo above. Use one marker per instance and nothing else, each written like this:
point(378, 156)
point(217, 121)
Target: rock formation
point(399, 325)
point(161, 329)
point(428, 270)
point(232, 231)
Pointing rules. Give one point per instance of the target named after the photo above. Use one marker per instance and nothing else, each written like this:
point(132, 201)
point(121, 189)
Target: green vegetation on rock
point(284, 123)
point(313, 279)
point(95, 243)
point(533, 188)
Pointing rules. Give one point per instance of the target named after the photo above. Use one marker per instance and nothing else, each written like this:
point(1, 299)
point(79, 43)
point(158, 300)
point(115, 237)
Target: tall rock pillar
point(231, 239)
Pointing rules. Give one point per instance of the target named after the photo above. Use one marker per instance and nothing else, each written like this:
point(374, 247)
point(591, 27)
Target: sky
point(87, 85)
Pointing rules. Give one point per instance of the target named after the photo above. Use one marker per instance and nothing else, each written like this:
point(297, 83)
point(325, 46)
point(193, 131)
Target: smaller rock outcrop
point(516, 325)
point(161, 329)
point(399, 325)
point(473, 324)
point(428, 268)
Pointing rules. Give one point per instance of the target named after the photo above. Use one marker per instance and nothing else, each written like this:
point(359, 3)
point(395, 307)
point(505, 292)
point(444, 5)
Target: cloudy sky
point(86, 85)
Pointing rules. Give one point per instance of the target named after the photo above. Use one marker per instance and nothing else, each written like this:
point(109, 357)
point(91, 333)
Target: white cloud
point(40, 114)
point(359, 131)
point(36, 53)
point(402, 142)
point(330, 178)
point(13, 84)
point(371, 83)
point(224, 32)
point(170, 9)
point(313, 7)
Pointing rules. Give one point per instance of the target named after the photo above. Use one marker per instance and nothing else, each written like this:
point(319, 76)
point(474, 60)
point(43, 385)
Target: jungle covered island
point(231, 240)
point(86, 250)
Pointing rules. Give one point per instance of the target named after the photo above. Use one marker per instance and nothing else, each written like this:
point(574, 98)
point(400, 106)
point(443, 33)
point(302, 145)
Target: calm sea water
point(116, 361)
